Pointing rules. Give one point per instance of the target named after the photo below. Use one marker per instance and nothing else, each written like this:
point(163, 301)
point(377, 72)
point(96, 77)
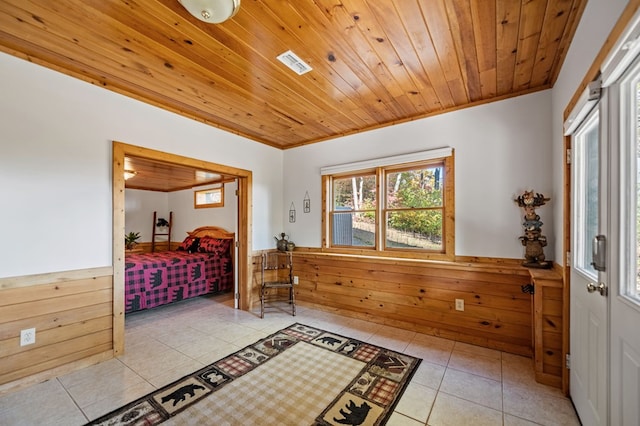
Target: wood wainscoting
point(420, 296)
point(72, 313)
point(549, 325)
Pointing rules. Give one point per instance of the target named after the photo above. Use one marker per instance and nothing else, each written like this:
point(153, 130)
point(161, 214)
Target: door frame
point(243, 235)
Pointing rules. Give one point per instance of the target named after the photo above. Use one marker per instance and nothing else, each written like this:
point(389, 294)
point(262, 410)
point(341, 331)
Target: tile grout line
point(72, 399)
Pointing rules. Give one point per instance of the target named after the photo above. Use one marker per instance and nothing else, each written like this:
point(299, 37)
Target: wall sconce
point(128, 174)
point(211, 11)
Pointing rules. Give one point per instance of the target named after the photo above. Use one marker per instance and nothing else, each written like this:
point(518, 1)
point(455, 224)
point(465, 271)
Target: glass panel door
point(588, 313)
point(625, 217)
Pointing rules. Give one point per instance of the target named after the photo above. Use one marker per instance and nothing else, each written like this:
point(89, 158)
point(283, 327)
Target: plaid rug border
point(376, 389)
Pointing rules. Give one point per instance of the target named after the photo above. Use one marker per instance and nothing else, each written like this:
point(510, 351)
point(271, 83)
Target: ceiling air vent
point(292, 60)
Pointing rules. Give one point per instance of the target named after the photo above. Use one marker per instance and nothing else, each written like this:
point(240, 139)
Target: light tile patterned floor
point(456, 384)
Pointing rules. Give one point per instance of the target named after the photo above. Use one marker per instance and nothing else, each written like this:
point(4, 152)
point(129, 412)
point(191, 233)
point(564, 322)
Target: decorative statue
point(533, 240)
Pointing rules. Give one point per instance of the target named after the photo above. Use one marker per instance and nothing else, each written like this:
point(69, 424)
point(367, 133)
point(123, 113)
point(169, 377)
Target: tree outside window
point(414, 207)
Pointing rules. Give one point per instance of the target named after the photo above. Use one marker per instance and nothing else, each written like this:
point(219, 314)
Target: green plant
point(131, 239)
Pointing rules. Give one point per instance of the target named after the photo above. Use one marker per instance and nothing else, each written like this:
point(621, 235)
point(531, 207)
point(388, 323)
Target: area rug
point(300, 375)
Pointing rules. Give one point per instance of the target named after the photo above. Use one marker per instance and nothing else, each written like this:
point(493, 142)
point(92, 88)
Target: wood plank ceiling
point(156, 175)
point(375, 63)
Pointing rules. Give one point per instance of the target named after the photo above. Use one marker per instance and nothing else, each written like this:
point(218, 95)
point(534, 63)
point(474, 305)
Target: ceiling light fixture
point(128, 174)
point(211, 11)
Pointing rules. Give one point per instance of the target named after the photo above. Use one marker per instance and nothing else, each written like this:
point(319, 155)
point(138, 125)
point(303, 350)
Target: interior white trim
point(625, 51)
point(587, 100)
point(387, 161)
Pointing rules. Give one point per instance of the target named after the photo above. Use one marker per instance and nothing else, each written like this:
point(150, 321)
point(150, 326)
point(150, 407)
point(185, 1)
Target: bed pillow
point(190, 244)
point(214, 245)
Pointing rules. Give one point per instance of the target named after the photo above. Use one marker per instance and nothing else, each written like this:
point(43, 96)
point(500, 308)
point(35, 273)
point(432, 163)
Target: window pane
point(213, 197)
point(209, 197)
point(415, 188)
point(587, 203)
point(354, 229)
point(415, 229)
point(354, 193)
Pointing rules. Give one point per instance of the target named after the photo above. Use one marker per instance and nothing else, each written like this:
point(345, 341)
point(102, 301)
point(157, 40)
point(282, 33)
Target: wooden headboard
point(212, 231)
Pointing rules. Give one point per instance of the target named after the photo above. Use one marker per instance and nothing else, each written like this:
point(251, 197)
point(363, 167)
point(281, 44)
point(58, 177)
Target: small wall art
point(306, 203)
point(292, 213)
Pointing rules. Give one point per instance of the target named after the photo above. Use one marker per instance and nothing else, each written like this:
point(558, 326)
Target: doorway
point(243, 235)
point(589, 308)
point(605, 219)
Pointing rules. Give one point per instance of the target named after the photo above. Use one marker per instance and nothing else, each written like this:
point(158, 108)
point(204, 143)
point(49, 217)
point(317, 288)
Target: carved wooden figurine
point(533, 240)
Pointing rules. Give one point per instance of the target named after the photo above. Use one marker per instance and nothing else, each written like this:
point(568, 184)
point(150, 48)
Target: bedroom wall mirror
point(208, 198)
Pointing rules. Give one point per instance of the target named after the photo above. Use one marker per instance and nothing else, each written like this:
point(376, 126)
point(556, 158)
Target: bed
point(202, 264)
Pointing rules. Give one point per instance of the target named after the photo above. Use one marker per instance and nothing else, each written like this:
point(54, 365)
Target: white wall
point(140, 205)
point(55, 166)
point(187, 218)
point(501, 149)
point(597, 21)
point(138, 211)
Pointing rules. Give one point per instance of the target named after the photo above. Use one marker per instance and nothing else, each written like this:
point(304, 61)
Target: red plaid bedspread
point(153, 279)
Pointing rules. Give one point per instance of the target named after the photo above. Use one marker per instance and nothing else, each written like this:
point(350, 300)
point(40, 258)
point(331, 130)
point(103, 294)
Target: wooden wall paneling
point(54, 277)
point(55, 371)
point(57, 355)
point(73, 321)
point(56, 304)
point(56, 319)
point(421, 310)
point(145, 247)
point(54, 290)
point(421, 296)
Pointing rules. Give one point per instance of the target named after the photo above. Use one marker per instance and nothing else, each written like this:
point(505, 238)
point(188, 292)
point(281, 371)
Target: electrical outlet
point(295, 279)
point(27, 336)
point(459, 304)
